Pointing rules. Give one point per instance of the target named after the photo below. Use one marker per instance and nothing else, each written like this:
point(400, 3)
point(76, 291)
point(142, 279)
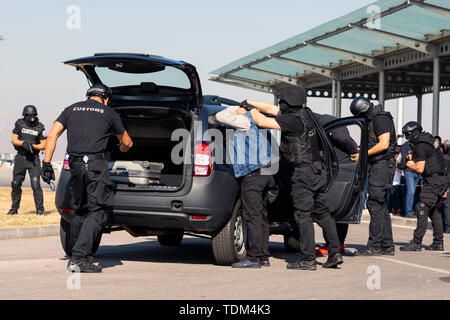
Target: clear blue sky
point(208, 34)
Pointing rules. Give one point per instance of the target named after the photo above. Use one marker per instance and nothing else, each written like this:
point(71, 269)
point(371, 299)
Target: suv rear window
point(133, 73)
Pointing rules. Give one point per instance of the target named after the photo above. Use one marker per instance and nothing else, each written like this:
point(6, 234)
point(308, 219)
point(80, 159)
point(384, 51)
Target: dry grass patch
point(27, 212)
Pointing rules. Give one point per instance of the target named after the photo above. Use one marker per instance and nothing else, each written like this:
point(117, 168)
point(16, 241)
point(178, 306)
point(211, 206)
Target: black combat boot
point(303, 265)
point(83, 265)
point(333, 261)
point(412, 246)
point(368, 252)
point(12, 212)
point(264, 262)
point(388, 251)
point(435, 246)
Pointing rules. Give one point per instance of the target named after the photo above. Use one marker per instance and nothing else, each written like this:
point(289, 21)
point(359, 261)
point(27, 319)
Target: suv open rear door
point(347, 194)
point(143, 78)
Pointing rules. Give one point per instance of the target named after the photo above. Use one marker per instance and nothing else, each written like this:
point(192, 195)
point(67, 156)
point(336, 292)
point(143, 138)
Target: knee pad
point(15, 185)
point(421, 209)
point(35, 183)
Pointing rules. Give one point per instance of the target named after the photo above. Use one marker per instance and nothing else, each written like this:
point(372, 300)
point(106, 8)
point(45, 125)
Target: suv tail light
point(66, 163)
point(203, 160)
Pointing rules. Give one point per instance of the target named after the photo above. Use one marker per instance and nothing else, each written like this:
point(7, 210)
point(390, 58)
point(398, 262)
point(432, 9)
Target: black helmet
point(360, 105)
point(411, 130)
point(99, 90)
point(29, 110)
point(294, 96)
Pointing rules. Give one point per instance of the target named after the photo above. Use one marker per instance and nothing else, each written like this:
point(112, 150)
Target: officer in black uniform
point(89, 125)
point(382, 144)
point(428, 161)
point(346, 151)
point(301, 150)
point(28, 138)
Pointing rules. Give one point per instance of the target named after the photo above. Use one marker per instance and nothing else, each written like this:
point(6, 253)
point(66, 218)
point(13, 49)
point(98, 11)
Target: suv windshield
point(132, 73)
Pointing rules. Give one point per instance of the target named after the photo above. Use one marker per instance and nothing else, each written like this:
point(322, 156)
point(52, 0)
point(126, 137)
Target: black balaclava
point(31, 120)
point(284, 107)
point(373, 111)
point(413, 137)
point(291, 99)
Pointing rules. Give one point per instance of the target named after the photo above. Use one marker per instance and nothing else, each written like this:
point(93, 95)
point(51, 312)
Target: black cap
point(295, 96)
point(29, 110)
point(99, 90)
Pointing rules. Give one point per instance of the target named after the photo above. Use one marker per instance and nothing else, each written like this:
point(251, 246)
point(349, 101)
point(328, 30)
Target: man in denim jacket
point(250, 155)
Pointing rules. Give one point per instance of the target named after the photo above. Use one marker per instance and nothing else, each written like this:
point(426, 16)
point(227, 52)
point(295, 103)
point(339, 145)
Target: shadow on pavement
point(191, 251)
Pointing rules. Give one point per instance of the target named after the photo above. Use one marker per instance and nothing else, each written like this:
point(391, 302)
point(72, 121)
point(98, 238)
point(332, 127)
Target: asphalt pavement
point(139, 268)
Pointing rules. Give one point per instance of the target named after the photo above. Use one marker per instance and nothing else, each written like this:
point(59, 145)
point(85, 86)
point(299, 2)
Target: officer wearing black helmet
point(301, 149)
point(428, 161)
point(28, 138)
point(89, 125)
point(382, 144)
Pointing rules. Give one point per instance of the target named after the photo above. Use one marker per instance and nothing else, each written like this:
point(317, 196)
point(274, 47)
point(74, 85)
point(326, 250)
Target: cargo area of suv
point(151, 130)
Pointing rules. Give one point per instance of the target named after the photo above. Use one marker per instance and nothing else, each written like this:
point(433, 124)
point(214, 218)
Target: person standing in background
point(411, 180)
point(28, 138)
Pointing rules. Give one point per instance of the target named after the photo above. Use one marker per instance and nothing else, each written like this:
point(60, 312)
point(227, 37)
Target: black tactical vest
point(302, 149)
point(436, 163)
point(389, 153)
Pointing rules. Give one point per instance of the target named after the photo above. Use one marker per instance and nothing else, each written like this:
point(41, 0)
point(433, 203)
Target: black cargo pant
point(381, 175)
point(22, 163)
point(430, 205)
point(342, 231)
point(254, 187)
point(310, 202)
point(93, 198)
point(446, 213)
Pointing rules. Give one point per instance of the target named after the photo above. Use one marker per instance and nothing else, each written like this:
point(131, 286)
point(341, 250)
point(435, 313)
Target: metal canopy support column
point(333, 97)
point(419, 108)
point(381, 89)
point(412, 43)
point(338, 99)
point(436, 93)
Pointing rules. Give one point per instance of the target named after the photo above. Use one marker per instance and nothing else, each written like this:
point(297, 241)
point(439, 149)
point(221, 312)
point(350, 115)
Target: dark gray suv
point(156, 96)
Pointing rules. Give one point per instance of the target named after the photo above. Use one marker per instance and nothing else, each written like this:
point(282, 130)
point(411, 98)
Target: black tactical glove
point(47, 172)
point(402, 164)
point(27, 147)
point(244, 104)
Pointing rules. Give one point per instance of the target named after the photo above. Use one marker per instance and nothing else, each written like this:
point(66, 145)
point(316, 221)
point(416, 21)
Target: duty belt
point(88, 157)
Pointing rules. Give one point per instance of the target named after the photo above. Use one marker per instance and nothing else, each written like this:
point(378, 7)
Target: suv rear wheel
point(171, 238)
point(291, 243)
point(229, 244)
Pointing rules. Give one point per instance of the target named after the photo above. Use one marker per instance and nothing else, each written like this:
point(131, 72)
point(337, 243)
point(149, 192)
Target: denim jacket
point(251, 149)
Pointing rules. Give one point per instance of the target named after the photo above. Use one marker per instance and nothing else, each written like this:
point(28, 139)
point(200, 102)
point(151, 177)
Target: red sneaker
point(322, 250)
point(342, 248)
